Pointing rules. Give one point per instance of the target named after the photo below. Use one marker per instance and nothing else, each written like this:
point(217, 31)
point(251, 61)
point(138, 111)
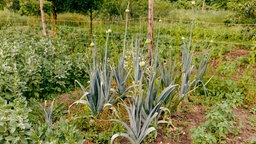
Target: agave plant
point(99, 95)
point(121, 78)
point(168, 73)
point(152, 99)
point(48, 113)
point(186, 71)
point(201, 71)
point(138, 128)
point(138, 66)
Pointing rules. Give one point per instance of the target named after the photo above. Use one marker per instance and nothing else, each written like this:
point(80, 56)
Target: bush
point(15, 126)
point(37, 67)
point(61, 132)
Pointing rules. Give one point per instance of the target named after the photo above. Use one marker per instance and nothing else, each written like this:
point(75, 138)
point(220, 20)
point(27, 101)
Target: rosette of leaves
point(139, 128)
point(121, 77)
point(15, 126)
point(99, 95)
point(152, 98)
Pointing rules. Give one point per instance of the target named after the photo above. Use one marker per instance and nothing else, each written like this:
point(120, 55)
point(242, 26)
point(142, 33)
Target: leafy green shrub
point(37, 67)
point(245, 12)
point(15, 126)
point(224, 88)
point(218, 124)
point(60, 132)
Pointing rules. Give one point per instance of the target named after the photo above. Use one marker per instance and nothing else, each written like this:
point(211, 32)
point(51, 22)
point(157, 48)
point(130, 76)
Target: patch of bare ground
point(235, 54)
point(183, 122)
point(69, 98)
point(247, 131)
point(230, 56)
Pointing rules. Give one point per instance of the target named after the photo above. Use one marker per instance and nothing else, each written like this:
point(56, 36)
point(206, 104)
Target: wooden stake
point(43, 17)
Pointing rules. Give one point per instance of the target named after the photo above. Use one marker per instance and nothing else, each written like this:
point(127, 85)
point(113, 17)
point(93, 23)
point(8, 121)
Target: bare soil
point(248, 131)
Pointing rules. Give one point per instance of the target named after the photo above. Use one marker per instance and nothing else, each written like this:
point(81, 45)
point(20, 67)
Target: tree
point(32, 7)
point(10, 4)
point(78, 6)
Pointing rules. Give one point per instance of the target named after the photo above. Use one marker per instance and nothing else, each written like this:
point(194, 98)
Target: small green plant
point(62, 131)
point(48, 113)
point(15, 126)
point(218, 124)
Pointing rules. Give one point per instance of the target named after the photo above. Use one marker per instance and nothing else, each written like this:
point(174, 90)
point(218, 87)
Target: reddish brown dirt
point(235, 54)
point(247, 132)
point(230, 56)
point(69, 98)
point(183, 121)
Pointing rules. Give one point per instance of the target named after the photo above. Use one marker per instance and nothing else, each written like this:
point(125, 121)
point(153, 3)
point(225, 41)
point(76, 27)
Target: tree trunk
point(203, 6)
point(150, 29)
point(43, 16)
point(91, 23)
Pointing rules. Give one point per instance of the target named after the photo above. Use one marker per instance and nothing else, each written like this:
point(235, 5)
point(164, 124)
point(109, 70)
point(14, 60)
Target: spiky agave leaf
point(151, 94)
point(138, 128)
point(201, 71)
point(95, 99)
point(186, 71)
point(167, 93)
point(122, 135)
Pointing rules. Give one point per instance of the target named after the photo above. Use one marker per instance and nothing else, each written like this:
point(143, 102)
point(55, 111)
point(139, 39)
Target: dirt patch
point(69, 98)
point(194, 115)
point(235, 54)
point(230, 56)
point(248, 131)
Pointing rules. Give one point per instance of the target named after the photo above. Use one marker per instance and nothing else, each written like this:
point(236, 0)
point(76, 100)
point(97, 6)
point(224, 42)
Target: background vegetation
point(210, 74)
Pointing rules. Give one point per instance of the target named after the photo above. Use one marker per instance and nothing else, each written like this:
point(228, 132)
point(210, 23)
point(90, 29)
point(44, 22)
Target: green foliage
point(218, 124)
point(60, 132)
point(32, 7)
point(225, 89)
point(245, 12)
point(83, 6)
point(139, 127)
point(37, 68)
point(15, 126)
